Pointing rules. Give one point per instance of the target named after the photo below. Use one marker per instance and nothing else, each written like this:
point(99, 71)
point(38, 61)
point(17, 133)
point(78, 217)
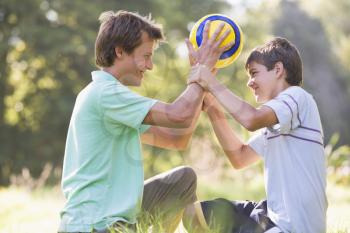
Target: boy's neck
point(283, 86)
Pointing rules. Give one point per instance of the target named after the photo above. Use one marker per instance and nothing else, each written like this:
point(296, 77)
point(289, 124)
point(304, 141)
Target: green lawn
point(338, 215)
point(22, 211)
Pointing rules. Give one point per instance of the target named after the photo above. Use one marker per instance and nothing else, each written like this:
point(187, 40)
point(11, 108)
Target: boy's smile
point(265, 84)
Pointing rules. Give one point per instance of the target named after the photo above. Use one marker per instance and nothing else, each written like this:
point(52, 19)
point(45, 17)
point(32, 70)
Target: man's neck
point(111, 70)
point(114, 72)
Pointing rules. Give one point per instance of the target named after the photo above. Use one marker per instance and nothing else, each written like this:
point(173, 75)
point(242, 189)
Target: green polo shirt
point(102, 176)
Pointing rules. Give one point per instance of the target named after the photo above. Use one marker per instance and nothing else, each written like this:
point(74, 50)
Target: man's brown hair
point(279, 50)
point(122, 29)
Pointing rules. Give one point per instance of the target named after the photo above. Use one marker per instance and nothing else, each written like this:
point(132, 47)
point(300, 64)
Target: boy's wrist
point(215, 112)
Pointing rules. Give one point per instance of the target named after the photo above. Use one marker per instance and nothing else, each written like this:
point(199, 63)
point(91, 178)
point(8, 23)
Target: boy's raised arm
point(250, 117)
point(239, 154)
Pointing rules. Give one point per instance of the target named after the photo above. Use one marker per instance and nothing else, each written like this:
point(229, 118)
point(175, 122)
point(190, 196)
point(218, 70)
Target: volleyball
point(228, 56)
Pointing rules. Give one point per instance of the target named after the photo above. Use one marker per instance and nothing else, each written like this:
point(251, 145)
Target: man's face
point(140, 60)
point(261, 81)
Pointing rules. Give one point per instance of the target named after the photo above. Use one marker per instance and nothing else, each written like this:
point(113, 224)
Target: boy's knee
point(219, 214)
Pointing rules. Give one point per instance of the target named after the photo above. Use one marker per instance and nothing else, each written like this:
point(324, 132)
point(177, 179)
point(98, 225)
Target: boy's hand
point(209, 51)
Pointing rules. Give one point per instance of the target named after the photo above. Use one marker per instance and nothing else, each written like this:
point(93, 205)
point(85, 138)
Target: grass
point(338, 215)
point(23, 211)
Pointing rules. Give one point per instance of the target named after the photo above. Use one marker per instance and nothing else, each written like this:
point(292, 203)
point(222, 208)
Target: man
point(103, 171)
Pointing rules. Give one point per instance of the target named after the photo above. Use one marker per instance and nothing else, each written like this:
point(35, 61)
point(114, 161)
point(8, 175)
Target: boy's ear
point(279, 69)
point(118, 52)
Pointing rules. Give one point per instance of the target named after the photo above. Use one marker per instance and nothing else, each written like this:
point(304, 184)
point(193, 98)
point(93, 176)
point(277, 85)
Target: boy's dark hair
point(279, 50)
point(122, 29)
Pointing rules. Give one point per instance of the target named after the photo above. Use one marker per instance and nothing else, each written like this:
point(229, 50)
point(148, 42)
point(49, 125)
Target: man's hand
point(202, 75)
point(209, 51)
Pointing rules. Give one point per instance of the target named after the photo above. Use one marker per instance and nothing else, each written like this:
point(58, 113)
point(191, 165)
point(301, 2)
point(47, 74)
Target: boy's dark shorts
point(238, 216)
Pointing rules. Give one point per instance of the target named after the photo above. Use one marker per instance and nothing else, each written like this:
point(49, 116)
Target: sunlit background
point(47, 54)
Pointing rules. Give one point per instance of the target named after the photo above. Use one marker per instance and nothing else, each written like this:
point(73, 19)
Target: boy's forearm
point(238, 108)
point(223, 131)
point(228, 140)
point(215, 113)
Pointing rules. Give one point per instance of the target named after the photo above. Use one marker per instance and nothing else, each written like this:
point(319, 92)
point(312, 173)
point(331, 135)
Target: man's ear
point(118, 52)
point(279, 69)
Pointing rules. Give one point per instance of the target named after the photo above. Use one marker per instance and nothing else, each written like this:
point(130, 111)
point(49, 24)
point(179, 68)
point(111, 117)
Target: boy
point(102, 176)
point(290, 144)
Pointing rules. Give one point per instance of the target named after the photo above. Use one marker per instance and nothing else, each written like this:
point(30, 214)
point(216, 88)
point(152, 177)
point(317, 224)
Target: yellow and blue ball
point(228, 56)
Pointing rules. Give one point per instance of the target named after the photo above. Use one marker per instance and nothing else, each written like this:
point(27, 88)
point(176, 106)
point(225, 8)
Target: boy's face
point(138, 62)
point(262, 82)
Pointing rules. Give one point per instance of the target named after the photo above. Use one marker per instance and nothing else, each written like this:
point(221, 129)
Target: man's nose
point(149, 65)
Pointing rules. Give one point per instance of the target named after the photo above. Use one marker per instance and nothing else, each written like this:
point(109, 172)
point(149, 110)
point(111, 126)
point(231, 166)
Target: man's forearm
point(187, 103)
point(172, 138)
point(182, 137)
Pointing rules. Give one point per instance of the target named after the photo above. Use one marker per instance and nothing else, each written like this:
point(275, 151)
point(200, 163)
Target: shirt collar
point(100, 75)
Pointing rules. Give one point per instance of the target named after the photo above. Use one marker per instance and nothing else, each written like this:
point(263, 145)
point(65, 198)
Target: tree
point(321, 76)
point(49, 56)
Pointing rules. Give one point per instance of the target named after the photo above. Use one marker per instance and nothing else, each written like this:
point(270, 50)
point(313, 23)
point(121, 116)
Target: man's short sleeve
point(287, 107)
point(144, 128)
point(121, 105)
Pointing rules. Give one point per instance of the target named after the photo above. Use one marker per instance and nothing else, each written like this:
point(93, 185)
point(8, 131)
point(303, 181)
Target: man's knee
point(189, 174)
point(185, 183)
point(186, 174)
point(187, 180)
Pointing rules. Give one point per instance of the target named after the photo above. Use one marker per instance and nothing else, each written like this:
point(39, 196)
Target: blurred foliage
point(338, 161)
point(322, 74)
point(334, 18)
point(47, 54)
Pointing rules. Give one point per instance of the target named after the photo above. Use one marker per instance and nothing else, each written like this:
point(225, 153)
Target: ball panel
point(227, 57)
point(193, 36)
point(231, 36)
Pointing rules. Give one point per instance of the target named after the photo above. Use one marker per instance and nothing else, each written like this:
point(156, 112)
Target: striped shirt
point(294, 163)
